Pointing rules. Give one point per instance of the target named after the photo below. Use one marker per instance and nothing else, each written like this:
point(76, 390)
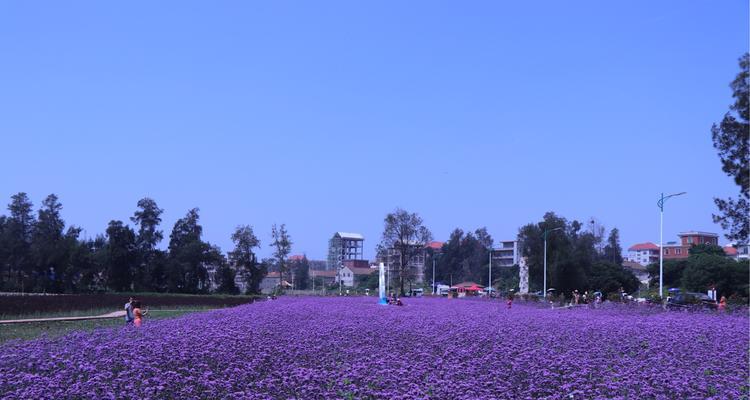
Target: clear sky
point(328, 115)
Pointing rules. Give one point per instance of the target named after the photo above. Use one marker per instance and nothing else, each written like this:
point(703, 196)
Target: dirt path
point(114, 314)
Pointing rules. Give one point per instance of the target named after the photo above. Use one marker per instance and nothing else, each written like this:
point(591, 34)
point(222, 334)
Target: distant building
point(324, 277)
point(643, 253)
point(270, 282)
point(681, 250)
point(435, 246)
point(356, 263)
point(507, 254)
point(348, 275)
point(344, 246)
point(737, 252)
point(415, 265)
point(638, 269)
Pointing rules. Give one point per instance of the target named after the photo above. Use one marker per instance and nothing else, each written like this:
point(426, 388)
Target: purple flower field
point(323, 348)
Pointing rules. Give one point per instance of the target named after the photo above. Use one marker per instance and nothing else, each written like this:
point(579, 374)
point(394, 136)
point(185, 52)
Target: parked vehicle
point(442, 290)
point(690, 301)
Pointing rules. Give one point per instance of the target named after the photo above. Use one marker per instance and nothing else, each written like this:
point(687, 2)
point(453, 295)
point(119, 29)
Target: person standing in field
point(138, 314)
point(722, 304)
point(129, 311)
point(510, 299)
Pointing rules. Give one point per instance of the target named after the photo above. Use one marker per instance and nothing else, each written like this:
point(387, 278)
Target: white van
point(442, 290)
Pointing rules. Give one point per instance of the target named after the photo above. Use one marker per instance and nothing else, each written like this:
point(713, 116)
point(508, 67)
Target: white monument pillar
point(523, 276)
point(381, 289)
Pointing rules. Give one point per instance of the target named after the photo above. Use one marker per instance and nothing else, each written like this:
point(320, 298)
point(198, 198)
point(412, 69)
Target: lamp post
point(660, 203)
point(433, 275)
point(341, 279)
point(489, 281)
point(546, 232)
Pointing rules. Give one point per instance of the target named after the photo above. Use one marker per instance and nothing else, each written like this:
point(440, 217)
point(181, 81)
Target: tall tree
point(732, 141)
point(613, 251)
point(4, 267)
point(244, 260)
point(121, 256)
point(301, 273)
point(406, 234)
point(48, 248)
point(282, 247)
point(187, 255)
point(150, 264)
point(18, 230)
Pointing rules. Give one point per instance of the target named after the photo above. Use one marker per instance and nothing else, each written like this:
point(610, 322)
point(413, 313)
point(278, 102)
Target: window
point(678, 251)
point(690, 239)
point(666, 252)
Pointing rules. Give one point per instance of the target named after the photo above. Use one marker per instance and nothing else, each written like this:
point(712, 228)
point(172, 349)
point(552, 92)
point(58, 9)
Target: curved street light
point(660, 203)
point(546, 232)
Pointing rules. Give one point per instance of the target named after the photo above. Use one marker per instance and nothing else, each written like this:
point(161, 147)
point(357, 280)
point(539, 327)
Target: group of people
point(394, 301)
point(134, 312)
point(585, 298)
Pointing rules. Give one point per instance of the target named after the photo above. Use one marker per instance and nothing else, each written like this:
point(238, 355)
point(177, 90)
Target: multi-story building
point(348, 275)
point(507, 254)
point(643, 253)
point(737, 251)
point(415, 265)
point(676, 251)
point(344, 246)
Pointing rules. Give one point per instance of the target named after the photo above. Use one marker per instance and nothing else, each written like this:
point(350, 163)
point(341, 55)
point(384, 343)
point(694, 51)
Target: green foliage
point(120, 256)
point(371, 281)
point(706, 267)
point(705, 270)
point(613, 251)
point(244, 260)
point(706, 248)
point(301, 270)
point(406, 234)
point(570, 253)
point(731, 138)
point(464, 257)
point(225, 279)
point(608, 278)
point(186, 272)
point(673, 270)
point(282, 247)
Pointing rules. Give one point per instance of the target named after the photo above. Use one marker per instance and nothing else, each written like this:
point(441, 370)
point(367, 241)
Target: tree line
point(38, 253)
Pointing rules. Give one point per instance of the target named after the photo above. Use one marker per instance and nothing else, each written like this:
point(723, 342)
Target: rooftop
point(435, 245)
point(349, 235)
point(697, 233)
point(643, 246)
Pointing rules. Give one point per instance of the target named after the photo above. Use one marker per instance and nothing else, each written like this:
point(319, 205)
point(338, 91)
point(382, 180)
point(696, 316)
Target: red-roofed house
point(437, 246)
point(643, 253)
point(348, 274)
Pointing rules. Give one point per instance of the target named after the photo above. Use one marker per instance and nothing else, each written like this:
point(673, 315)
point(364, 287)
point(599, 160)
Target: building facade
point(348, 275)
point(643, 253)
point(507, 254)
point(681, 249)
point(344, 246)
point(415, 265)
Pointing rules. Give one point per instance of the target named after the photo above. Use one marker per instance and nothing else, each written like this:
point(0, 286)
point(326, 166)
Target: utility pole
point(660, 203)
point(489, 283)
point(433, 275)
point(546, 232)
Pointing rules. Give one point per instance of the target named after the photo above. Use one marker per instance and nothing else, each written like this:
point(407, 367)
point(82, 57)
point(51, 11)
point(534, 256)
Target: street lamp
point(433, 275)
point(489, 282)
point(546, 232)
point(660, 203)
point(434, 257)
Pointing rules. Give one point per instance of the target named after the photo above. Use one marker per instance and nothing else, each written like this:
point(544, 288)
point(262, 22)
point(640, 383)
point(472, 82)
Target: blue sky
point(328, 115)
